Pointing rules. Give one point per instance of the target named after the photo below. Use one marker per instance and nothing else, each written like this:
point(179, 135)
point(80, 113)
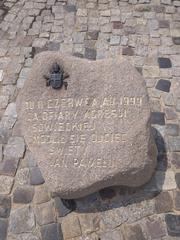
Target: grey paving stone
point(29, 160)
point(156, 229)
point(51, 231)
point(5, 206)
point(90, 53)
point(178, 104)
point(21, 220)
point(113, 235)
point(9, 166)
point(75, 230)
point(175, 160)
point(3, 229)
point(168, 99)
point(45, 213)
point(23, 194)
point(70, 8)
point(173, 224)
point(128, 51)
point(133, 232)
point(41, 194)
point(53, 46)
point(117, 25)
point(36, 177)
point(11, 110)
point(4, 101)
point(22, 176)
point(164, 202)
point(164, 62)
point(157, 118)
point(15, 147)
point(115, 40)
point(92, 35)
point(163, 85)
point(4, 133)
point(164, 24)
point(176, 40)
point(159, 8)
point(79, 55)
point(170, 113)
point(6, 184)
point(155, 105)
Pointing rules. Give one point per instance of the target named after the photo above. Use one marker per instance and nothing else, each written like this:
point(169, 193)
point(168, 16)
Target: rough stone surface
point(163, 85)
point(3, 229)
point(133, 232)
point(51, 231)
point(5, 206)
point(155, 229)
point(36, 177)
point(164, 202)
point(15, 147)
point(74, 230)
point(76, 153)
point(23, 194)
point(6, 184)
point(45, 213)
point(41, 194)
point(9, 166)
point(21, 220)
point(164, 62)
point(157, 118)
point(173, 224)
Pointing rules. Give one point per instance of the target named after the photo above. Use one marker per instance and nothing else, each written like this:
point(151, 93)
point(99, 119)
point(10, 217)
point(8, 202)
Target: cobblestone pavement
point(147, 33)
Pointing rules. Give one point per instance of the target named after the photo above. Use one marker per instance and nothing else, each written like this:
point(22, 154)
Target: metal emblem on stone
point(93, 135)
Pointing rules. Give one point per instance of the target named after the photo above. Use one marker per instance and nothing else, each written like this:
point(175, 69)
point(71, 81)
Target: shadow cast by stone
point(121, 196)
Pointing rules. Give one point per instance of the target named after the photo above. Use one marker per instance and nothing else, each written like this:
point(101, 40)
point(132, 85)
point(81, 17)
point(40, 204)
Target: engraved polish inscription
point(69, 125)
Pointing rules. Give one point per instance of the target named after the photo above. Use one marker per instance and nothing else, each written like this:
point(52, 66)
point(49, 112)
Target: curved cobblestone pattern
point(145, 32)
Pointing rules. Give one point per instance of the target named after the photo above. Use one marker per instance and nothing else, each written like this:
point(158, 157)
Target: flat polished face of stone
point(94, 134)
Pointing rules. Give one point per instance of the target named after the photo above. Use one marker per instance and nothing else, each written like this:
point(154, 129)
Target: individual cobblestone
point(173, 225)
point(21, 220)
point(156, 229)
point(41, 194)
point(51, 231)
point(163, 85)
point(164, 202)
point(3, 228)
point(23, 194)
point(45, 213)
point(5, 206)
point(15, 148)
point(36, 177)
point(6, 184)
point(133, 232)
point(75, 230)
point(157, 118)
point(164, 62)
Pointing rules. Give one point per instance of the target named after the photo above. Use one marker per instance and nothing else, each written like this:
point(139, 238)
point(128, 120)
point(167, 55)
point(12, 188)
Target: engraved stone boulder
point(92, 135)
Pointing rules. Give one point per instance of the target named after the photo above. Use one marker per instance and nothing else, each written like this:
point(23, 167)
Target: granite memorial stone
point(93, 134)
